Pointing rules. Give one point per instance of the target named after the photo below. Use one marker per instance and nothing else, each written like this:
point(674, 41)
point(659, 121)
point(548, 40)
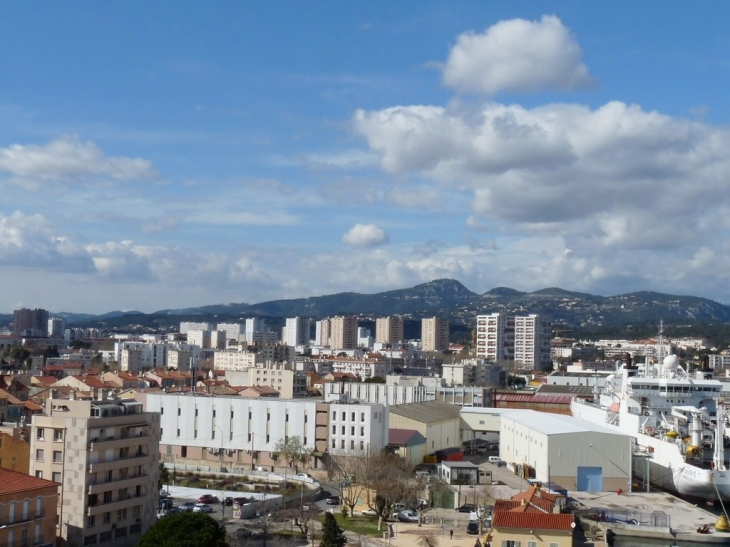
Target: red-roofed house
point(534, 529)
point(27, 509)
point(409, 444)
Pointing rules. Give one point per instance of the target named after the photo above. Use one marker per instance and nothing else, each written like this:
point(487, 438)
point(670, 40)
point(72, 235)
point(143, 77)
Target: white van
point(495, 459)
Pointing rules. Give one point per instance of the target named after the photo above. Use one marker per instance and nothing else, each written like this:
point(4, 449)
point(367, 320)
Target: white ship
point(677, 421)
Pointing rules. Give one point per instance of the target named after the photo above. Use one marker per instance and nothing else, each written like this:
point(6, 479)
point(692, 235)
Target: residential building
point(260, 338)
point(105, 455)
point(434, 334)
point(233, 330)
point(27, 510)
point(15, 451)
point(323, 332)
point(218, 339)
point(364, 368)
point(297, 331)
point(343, 332)
point(357, 429)
point(532, 342)
point(186, 326)
point(30, 322)
point(236, 360)
point(288, 383)
point(389, 330)
point(364, 340)
point(55, 327)
point(255, 324)
point(200, 338)
point(495, 337)
point(538, 529)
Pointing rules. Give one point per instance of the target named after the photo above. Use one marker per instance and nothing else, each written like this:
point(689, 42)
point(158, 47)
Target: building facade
point(105, 455)
point(297, 331)
point(30, 322)
point(343, 332)
point(27, 510)
point(434, 334)
point(389, 330)
point(532, 342)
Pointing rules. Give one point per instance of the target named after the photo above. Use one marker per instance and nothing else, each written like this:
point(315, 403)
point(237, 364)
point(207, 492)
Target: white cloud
point(517, 55)
point(616, 176)
point(67, 158)
point(365, 236)
point(31, 241)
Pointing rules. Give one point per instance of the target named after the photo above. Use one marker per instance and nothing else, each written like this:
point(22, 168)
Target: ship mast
point(719, 456)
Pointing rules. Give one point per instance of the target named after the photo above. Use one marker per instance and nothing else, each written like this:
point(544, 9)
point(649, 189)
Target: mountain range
point(443, 298)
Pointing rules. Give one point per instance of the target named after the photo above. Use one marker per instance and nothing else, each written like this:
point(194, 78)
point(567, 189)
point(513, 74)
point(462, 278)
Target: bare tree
point(428, 540)
point(351, 471)
point(304, 517)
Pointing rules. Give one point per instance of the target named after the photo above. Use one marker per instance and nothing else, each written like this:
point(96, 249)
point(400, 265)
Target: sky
point(176, 154)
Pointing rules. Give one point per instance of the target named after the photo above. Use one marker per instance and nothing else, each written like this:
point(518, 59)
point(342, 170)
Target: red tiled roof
point(533, 521)
point(534, 493)
point(559, 398)
point(33, 407)
point(400, 436)
point(12, 482)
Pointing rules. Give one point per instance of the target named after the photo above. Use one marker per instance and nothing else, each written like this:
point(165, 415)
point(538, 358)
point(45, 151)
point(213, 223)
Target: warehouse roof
point(427, 412)
point(555, 424)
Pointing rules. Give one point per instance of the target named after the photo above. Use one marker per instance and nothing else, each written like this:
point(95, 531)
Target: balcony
point(117, 463)
point(116, 442)
point(127, 482)
point(32, 515)
point(112, 506)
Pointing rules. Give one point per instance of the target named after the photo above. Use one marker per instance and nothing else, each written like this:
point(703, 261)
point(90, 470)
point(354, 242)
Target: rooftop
point(556, 424)
point(533, 521)
point(12, 482)
point(427, 412)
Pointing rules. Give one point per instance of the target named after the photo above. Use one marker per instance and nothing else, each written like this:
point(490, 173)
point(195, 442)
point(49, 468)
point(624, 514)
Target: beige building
point(532, 341)
point(438, 422)
point(235, 360)
point(389, 330)
point(434, 334)
point(343, 332)
point(105, 455)
point(289, 383)
point(495, 337)
point(323, 335)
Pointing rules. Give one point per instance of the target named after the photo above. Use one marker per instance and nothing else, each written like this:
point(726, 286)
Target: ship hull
point(662, 461)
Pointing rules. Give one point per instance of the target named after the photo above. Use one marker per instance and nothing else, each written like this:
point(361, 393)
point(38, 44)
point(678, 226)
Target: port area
point(660, 517)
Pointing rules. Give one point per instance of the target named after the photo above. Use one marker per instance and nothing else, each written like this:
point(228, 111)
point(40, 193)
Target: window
point(532, 544)
point(108, 496)
point(554, 544)
point(39, 474)
point(334, 415)
point(57, 458)
point(162, 410)
point(352, 430)
point(510, 543)
point(362, 416)
point(122, 514)
point(362, 445)
point(178, 411)
point(362, 431)
point(344, 416)
point(41, 434)
point(136, 510)
point(286, 418)
point(334, 443)
point(353, 416)
point(267, 438)
point(352, 445)
point(343, 429)
point(38, 507)
point(58, 435)
point(107, 518)
point(39, 453)
point(343, 444)
point(91, 521)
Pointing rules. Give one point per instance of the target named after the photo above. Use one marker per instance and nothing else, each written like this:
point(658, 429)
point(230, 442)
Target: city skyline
point(153, 157)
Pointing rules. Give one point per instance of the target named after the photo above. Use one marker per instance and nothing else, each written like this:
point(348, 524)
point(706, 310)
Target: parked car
point(187, 506)
point(333, 500)
point(369, 513)
point(163, 493)
point(173, 511)
point(421, 504)
point(227, 501)
point(466, 508)
point(208, 498)
point(240, 500)
point(408, 516)
point(164, 504)
point(472, 528)
point(303, 475)
point(202, 508)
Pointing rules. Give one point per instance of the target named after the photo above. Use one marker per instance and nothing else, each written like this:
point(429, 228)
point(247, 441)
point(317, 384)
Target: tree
point(304, 516)
point(374, 380)
point(351, 471)
point(185, 530)
point(292, 450)
point(332, 534)
point(164, 475)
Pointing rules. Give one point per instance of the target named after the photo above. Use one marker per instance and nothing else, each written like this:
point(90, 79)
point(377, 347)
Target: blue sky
point(174, 154)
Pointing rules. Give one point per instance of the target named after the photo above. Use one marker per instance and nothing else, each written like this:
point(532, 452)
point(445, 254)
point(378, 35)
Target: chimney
point(72, 395)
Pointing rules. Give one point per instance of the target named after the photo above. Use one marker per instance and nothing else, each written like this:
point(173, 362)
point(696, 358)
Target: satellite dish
point(572, 524)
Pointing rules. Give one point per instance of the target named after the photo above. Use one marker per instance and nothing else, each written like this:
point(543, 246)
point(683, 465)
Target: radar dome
point(671, 362)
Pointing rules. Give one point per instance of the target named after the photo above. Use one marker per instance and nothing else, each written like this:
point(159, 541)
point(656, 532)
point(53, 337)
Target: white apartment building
point(323, 333)
point(289, 383)
point(200, 338)
point(260, 338)
point(255, 324)
point(235, 431)
point(364, 368)
point(364, 340)
point(532, 341)
point(385, 394)
point(718, 362)
point(296, 331)
point(357, 429)
point(105, 456)
point(55, 327)
point(434, 334)
point(186, 326)
point(233, 330)
point(343, 332)
point(236, 360)
point(495, 337)
point(138, 356)
point(389, 330)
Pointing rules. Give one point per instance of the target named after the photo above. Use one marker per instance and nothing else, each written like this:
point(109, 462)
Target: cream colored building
point(105, 455)
point(235, 360)
point(438, 422)
point(389, 330)
point(289, 383)
point(344, 332)
point(434, 334)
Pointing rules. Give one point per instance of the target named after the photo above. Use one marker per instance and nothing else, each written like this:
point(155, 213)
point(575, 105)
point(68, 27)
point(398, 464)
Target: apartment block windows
point(91, 521)
point(362, 416)
point(352, 430)
point(57, 456)
point(362, 431)
point(41, 434)
point(107, 518)
point(39, 454)
point(334, 430)
point(108, 496)
point(58, 435)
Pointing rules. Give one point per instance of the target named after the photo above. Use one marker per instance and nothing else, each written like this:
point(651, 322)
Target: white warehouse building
point(573, 453)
